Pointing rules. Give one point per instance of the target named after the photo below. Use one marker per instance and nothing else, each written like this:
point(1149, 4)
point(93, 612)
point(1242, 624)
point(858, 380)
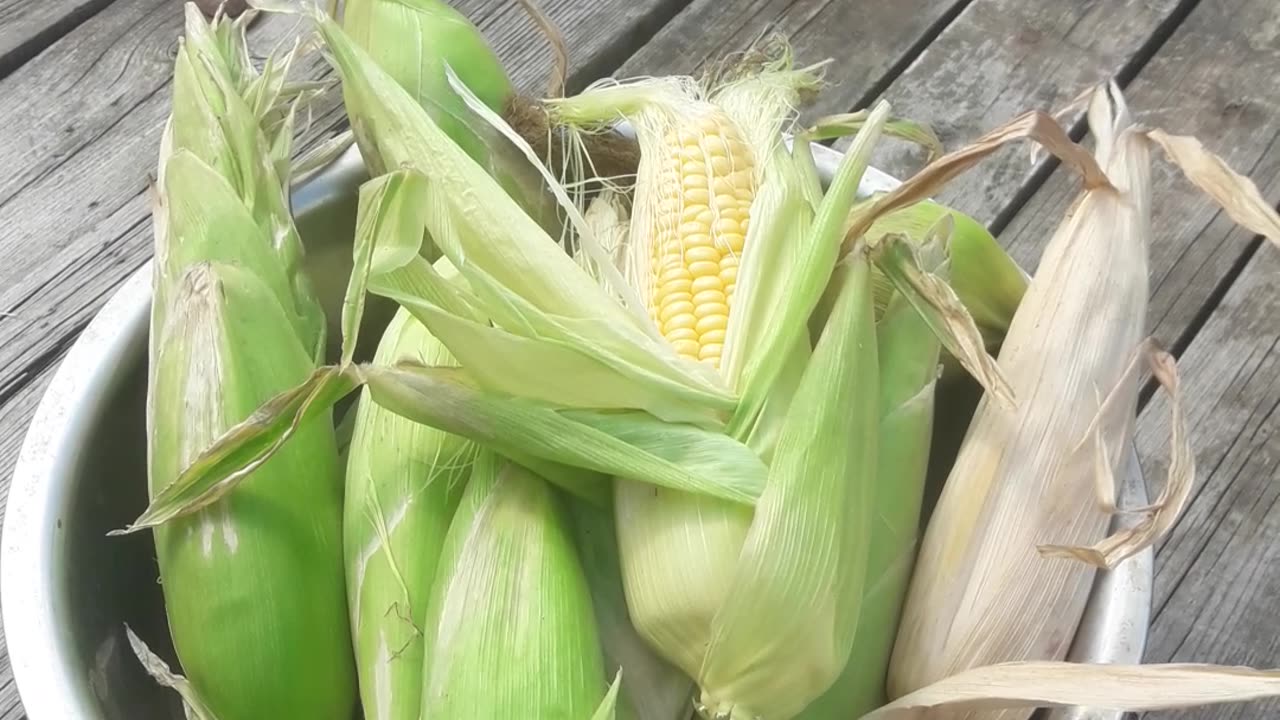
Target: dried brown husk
point(1027, 685)
point(1023, 486)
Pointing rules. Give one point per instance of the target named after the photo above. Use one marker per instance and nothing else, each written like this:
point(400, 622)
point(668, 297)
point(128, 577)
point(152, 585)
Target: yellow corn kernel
point(709, 352)
point(708, 297)
point(672, 309)
point(686, 348)
point(677, 286)
point(711, 337)
point(733, 244)
point(677, 298)
point(702, 253)
point(676, 274)
point(694, 181)
point(698, 268)
point(715, 318)
point(683, 320)
point(726, 226)
point(705, 283)
point(711, 310)
point(696, 195)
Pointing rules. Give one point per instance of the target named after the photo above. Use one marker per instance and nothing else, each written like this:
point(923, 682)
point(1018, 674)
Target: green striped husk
point(252, 582)
point(509, 630)
point(404, 481)
point(652, 689)
point(987, 281)
point(908, 376)
point(412, 40)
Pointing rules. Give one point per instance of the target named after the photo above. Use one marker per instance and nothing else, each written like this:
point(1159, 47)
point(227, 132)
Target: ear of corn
point(413, 41)
point(253, 582)
point(692, 565)
point(404, 481)
point(212, 122)
point(510, 631)
point(908, 365)
point(980, 593)
point(786, 629)
point(520, 275)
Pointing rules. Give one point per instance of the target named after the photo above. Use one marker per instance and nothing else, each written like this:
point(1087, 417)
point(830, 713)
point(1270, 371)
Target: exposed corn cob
point(252, 582)
point(510, 630)
point(706, 184)
point(687, 236)
point(403, 484)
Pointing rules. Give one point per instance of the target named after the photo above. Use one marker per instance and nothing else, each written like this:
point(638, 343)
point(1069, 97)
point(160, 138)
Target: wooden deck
point(84, 87)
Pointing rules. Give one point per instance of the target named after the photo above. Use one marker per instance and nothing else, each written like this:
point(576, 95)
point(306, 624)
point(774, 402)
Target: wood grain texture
point(28, 27)
point(1003, 57)
point(1218, 574)
point(868, 43)
point(1218, 78)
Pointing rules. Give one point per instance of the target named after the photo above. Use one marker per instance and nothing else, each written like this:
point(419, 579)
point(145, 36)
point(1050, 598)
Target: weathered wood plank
point(26, 27)
point(1217, 78)
point(1002, 57)
point(869, 43)
point(1218, 573)
point(74, 214)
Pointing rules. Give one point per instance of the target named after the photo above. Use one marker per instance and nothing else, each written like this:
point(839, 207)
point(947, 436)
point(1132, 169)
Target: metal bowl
point(68, 590)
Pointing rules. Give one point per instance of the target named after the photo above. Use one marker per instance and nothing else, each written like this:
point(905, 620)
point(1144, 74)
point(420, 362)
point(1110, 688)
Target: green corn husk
point(404, 481)
point(253, 582)
point(985, 278)
point(652, 688)
point(909, 354)
point(787, 626)
point(413, 41)
point(987, 281)
point(510, 631)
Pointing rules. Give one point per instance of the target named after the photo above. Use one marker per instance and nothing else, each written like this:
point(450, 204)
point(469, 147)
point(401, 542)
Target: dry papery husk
point(1009, 555)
